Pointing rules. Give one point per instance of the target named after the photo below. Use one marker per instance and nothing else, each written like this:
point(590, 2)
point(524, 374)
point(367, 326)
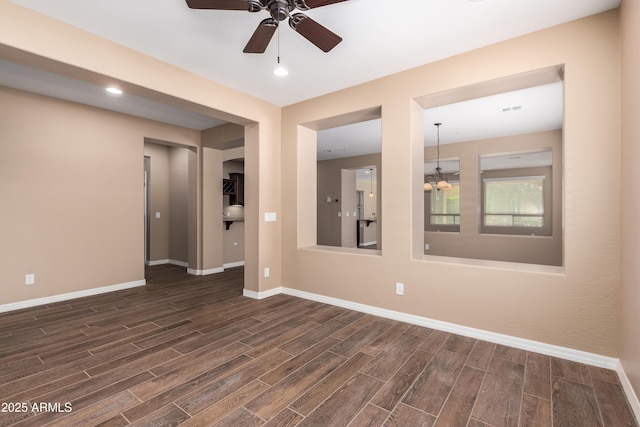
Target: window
point(516, 201)
point(444, 208)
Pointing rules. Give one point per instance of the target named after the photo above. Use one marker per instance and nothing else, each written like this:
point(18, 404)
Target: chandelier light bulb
point(443, 185)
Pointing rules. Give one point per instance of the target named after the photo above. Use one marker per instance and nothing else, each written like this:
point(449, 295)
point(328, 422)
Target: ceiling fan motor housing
point(279, 9)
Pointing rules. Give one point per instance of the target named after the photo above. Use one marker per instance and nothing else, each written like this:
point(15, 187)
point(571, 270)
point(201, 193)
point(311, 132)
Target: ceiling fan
point(279, 10)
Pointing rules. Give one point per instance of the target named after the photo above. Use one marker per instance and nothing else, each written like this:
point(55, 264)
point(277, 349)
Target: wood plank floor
point(191, 350)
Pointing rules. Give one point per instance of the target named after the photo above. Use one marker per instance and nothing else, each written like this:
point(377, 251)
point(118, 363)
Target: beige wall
point(144, 76)
point(469, 242)
point(233, 238)
point(576, 306)
point(71, 183)
point(630, 297)
point(329, 178)
point(49, 227)
point(179, 204)
point(169, 195)
point(159, 200)
point(221, 246)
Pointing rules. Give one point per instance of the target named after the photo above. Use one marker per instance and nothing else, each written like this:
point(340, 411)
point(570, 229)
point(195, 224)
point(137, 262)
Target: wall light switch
point(269, 216)
point(339, 214)
point(29, 279)
point(426, 246)
point(399, 288)
point(157, 215)
point(266, 272)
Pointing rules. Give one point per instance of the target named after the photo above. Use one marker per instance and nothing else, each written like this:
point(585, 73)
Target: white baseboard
point(632, 397)
point(179, 263)
point(151, 263)
point(233, 264)
point(521, 343)
point(214, 270)
point(205, 272)
point(524, 344)
point(69, 296)
point(168, 261)
point(262, 295)
point(194, 271)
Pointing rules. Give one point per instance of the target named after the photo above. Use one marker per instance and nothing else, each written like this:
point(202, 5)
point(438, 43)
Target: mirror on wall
point(348, 183)
point(500, 160)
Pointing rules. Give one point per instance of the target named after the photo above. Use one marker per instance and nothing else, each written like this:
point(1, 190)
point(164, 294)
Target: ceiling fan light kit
point(320, 36)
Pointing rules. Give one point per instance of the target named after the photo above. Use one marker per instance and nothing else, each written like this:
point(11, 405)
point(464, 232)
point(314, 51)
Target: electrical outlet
point(399, 288)
point(29, 279)
point(426, 246)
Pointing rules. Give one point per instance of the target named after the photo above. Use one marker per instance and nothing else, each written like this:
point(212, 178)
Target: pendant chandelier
point(438, 179)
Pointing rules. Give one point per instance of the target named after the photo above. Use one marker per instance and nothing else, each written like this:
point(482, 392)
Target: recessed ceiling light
point(114, 90)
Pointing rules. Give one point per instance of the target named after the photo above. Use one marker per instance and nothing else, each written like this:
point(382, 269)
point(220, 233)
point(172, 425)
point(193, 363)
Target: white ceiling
point(55, 85)
point(530, 110)
point(381, 37)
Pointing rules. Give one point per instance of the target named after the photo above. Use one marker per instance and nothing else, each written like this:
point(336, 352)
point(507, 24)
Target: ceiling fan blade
point(312, 4)
point(218, 4)
point(261, 36)
point(320, 36)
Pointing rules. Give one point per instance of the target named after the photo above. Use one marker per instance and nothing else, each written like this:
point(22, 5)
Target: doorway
point(147, 171)
point(169, 174)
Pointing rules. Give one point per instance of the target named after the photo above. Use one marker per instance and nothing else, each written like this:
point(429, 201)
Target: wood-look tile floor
point(191, 350)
